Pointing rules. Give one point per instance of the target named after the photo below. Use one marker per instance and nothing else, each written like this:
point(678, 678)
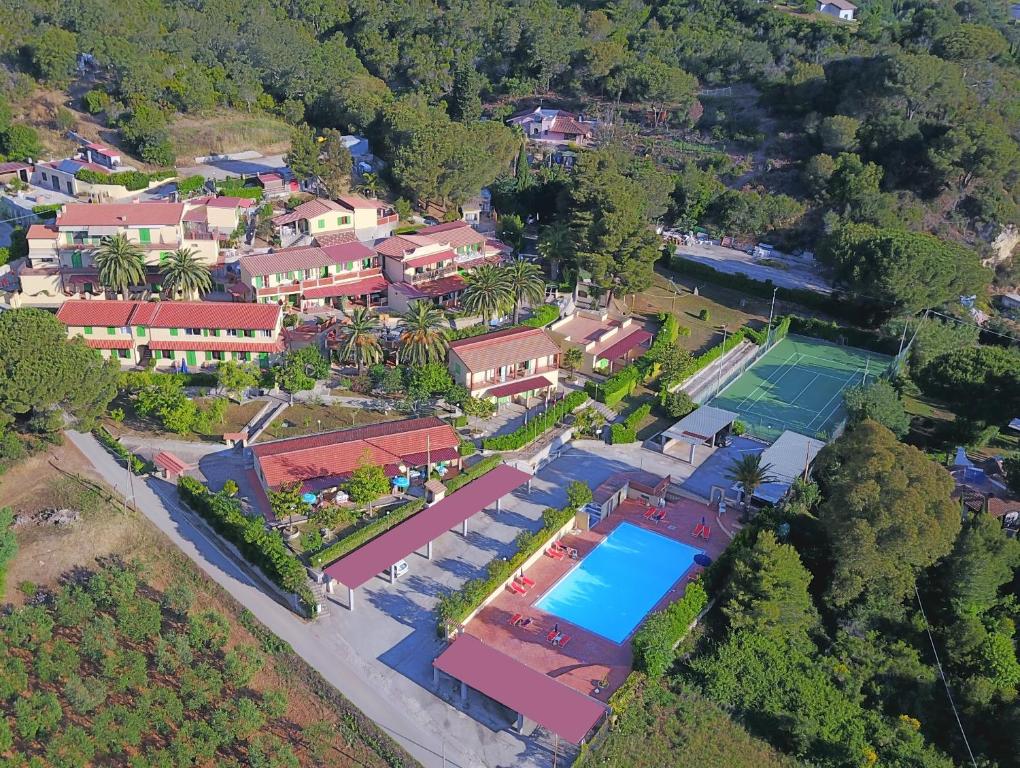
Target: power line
point(942, 674)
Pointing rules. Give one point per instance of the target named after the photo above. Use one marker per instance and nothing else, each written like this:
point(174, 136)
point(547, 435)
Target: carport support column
point(498, 505)
point(350, 598)
point(463, 528)
point(428, 550)
point(392, 569)
point(692, 453)
point(435, 677)
point(519, 725)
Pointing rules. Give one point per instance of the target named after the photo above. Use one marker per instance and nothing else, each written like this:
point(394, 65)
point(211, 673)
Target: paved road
point(325, 651)
point(222, 169)
point(798, 273)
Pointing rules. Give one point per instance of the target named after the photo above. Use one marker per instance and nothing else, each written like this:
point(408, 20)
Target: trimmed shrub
point(260, 546)
point(534, 428)
point(654, 642)
point(542, 315)
point(620, 433)
point(840, 334)
point(616, 387)
point(705, 315)
point(131, 180)
point(139, 466)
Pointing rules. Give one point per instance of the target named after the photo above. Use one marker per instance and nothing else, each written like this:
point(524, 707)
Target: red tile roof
point(518, 386)
point(41, 232)
point(399, 246)
point(81, 313)
point(206, 344)
point(355, 202)
point(170, 314)
point(431, 290)
point(107, 343)
point(196, 214)
point(625, 345)
point(569, 126)
point(226, 201)
point(507, 347)
point(373, 284)
point(168, 462)
point(309, 257)
point(13, 167)
point(430, 259)
point(335, 238)
point(120, 215)
point(453, 233)
point(308, 210)
point(337, 453)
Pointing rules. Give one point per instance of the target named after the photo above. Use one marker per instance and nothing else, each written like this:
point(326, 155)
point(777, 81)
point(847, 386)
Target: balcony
point(519, 372)
point(384, 217)
point(432, 274)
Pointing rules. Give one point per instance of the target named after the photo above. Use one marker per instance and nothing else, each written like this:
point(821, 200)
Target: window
point(215, 331)
point(215, 355)
point(44, 176)
point(366, 264)
point(123, 353)
point(140, 330)
point(350, 266)
point(88, 330)
point(343, 220)
point(245, 356)
point(322, 223)
point(192, 331)
point(258, 281)
point(325, 272)
point(144, 236)
point(173, 331)
point(308, 274)
point(279, 277)
point(163, 256)
point(231, 332)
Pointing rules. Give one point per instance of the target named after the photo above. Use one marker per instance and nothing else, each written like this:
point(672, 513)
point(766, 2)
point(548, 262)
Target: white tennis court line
point(781, 372)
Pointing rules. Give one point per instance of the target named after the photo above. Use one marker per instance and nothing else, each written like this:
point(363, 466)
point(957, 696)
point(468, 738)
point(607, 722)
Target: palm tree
point(572, 359)
point(360, 342)
point(370, 184)
point(526, 283)
point(422, 339)
point(554, 244)
point(751, 474)
point(184, 275)
point(487, 292)
point(121, 264)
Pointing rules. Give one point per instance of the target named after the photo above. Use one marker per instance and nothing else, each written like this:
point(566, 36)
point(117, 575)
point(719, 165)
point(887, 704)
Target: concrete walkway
point(327, 652)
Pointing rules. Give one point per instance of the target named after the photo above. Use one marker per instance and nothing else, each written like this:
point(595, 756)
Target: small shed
point(435, 491)
point(169, 466)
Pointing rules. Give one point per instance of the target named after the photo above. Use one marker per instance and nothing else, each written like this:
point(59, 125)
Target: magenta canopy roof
point(623, 346)
point(414, 533)
point(553, 705)
point(518, 386)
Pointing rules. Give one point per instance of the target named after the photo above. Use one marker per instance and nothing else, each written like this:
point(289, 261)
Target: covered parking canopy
point(532, 695)
point(422, 529)
point(698, 427)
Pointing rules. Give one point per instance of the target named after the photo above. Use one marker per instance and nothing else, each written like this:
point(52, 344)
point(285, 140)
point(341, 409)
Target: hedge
point(534, 428)
point(454, 607)
point(262, 547)
point(47, 211)
point(654, 642)
point(542, 315)
point(250, 193)
point(131, 180)
point(616, 387)
point(627, 431)
point(701, 361)
point(839, 334)
point(138, 465)
point(132, 381)
point(380, 525)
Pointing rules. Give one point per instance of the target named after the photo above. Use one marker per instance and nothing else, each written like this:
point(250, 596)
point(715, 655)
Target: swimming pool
point(619, 582)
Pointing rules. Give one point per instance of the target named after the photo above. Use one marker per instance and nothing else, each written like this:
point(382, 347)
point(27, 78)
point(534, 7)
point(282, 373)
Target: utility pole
point(718, 373)
point(768, 336)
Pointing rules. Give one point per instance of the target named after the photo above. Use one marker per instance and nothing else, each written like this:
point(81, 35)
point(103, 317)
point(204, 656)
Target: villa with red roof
point(310, 276)
point(513, 364)
point(553, 126)
point(61, 255)
point(330, 222)
point(430, 263)
point(323, 462)
point(176, 335)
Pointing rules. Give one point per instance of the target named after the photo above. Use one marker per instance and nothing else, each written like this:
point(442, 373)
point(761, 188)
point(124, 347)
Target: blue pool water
point(619, 582)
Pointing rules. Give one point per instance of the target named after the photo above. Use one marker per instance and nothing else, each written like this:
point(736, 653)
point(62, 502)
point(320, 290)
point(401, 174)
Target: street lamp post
point(718, 373)
point(768, 336)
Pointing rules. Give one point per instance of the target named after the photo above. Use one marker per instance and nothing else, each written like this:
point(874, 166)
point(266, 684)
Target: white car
point(399, 568)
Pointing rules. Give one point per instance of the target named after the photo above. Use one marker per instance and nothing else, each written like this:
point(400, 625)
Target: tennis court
point(798, 385)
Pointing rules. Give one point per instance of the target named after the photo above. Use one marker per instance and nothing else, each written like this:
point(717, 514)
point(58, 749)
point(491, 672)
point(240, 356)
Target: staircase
point(273, 408)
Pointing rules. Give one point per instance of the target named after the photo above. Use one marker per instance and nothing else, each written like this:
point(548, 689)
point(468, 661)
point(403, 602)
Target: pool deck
point(587, 657)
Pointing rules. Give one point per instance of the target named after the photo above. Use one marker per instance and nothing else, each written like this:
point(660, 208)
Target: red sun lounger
point(515, 619)
point(516, 588)
point(555, 554)
point(649, 512)
point(563, 641)
point(698, 529)
point(659, 516)
point(706, 531)
point(526, 581)
point(551, 635)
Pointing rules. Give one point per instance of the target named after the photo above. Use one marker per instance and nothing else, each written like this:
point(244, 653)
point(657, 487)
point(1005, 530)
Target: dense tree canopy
point(888, 514)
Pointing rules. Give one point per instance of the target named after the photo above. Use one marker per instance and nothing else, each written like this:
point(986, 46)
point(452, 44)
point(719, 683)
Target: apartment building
point(311, 276)
point(176, 335)
point(516, 364)
point(430, 264)
point(330, 222)
point(61, 256)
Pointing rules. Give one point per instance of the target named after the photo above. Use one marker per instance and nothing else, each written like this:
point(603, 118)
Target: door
point(191, 357)
point(76, 259)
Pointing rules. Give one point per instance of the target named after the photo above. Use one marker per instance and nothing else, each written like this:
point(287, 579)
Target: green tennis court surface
point(798, 385)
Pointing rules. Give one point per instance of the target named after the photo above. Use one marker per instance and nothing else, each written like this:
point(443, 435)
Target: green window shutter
point(70, 238)
point(205, 331)
point(88, 330)
point(216, 332)
point(140, 330)
point(322, 223)
point(143, 236)
point(340, 220)
point(110, 331)
point(208, 356)
point(325, 272)
point(173, 331)
point(350, 266)
point(258, 281)
point(76, 258)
